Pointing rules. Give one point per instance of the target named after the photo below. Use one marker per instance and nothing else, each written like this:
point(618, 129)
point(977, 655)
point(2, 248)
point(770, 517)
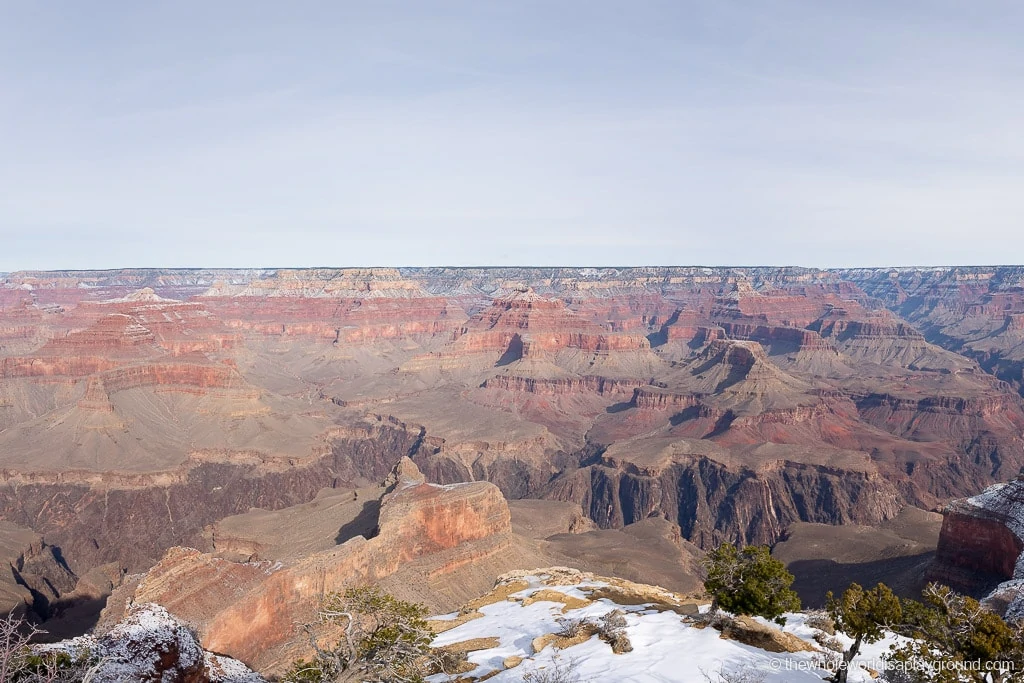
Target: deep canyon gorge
point(159, 428)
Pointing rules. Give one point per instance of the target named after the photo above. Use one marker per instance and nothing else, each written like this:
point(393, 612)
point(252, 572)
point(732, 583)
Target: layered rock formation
point(976, 311)
point(253, 610)
point(717, 494)
point(131, 518)
point(139, 408)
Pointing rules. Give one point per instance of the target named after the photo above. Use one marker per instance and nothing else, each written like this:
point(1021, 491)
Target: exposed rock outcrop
point(525, 324)
point(981, 542)
point(32, 573)
point(252, 610)
point(715, 496)
point(151, 646)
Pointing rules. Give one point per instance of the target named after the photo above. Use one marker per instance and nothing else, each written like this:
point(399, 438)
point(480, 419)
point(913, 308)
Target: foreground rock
point(150, 645)
point(437, 545)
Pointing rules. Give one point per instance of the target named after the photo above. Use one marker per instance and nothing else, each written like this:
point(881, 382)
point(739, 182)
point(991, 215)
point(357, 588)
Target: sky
point(686, 132)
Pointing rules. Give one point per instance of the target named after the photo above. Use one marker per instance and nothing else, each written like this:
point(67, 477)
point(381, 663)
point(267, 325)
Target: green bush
point(948, 630)
point(863, 615)
point(749, 581)
point(386, 640)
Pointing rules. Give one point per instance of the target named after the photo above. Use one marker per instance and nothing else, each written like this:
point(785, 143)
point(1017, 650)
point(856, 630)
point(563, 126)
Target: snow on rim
point(666, 649)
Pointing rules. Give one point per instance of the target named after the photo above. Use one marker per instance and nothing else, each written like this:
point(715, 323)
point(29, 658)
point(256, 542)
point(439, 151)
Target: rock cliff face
point(715, 496)
point(564, 385)
point(982, 539)
point(132, 519)
point(32, 575)
point(253, 611)
point(339, 283)
point(338, 321)
point(525, 324)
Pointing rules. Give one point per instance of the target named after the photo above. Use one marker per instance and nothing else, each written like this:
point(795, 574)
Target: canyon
point(161, 427)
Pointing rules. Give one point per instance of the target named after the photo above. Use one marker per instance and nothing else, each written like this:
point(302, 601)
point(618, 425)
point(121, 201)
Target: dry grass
point(747, 630)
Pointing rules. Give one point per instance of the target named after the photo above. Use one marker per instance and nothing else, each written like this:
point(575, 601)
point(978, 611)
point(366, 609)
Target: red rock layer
point(116, 334)
point(54, 366)
point(835, 326)
point(775, 309)
point(972, 542)
point(687, 326)
point(655, 398)
point(545, 324)
point(766, 334)
point(343, 320)
point(204, 376)
point(639, 313)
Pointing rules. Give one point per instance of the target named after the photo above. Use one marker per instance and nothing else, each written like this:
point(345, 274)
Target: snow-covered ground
point(665, 646)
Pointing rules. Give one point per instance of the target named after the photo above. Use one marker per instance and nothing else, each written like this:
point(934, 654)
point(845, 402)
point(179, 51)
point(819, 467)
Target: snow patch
point(667, 648)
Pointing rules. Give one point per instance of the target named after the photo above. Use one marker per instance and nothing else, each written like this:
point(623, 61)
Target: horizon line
point(512, 267)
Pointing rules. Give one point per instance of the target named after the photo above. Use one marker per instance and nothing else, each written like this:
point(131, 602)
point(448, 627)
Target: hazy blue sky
point(711, 132)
